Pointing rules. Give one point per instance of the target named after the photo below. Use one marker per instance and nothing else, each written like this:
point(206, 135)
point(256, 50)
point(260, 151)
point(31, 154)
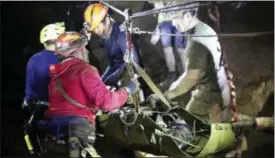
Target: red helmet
point(69, 42)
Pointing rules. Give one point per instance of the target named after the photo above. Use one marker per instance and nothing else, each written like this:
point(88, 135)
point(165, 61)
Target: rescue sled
point(152, 131)
point(161, 133)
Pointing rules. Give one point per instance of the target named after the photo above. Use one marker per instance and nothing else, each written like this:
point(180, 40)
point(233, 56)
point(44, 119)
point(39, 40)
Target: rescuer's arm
point(30, 81)
point(196, 62)
point(102, 97)
point(98, 93)
point(109, 71)
point(114, 77)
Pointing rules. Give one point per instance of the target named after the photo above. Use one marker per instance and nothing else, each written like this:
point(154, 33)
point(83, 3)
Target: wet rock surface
point(250, 59)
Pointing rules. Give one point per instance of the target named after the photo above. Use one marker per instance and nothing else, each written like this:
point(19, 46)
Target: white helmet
point(51, 32)
point(188, 7)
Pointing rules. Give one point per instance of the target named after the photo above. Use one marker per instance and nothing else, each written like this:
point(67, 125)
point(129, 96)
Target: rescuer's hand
point(152, 100)
point(133, 86)
point(25, 105)
point(85, 31)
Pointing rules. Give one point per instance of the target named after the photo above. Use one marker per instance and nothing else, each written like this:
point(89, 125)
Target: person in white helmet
point(165, 26)
point(37, 71)
point(203, 73)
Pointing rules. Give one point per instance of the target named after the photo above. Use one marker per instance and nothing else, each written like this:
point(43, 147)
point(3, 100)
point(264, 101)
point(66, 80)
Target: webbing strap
point(151, 84)
point(68, 98)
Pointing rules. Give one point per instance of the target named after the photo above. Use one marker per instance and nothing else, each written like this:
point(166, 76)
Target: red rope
point(229, 76)
point(232, 103)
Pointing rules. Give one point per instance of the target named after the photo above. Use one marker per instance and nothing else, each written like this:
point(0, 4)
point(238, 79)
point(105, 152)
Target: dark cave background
point(21, 23)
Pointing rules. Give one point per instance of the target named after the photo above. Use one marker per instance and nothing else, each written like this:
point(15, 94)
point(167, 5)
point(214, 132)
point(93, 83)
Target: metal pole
point(114, 8)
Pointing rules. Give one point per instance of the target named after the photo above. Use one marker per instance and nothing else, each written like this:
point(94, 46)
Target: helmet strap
point(49, 46)
point(108, 35)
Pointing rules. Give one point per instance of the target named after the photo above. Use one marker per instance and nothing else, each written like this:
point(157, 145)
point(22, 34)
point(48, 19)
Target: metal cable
point(249, 34)
point(170, 8)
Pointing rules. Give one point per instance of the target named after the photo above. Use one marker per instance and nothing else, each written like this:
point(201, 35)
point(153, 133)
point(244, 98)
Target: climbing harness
point(68, 98)
point(128, 58)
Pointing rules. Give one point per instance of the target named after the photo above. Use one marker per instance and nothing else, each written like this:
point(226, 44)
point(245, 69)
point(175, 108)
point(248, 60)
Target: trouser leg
point(206, 105)
point(81, 135)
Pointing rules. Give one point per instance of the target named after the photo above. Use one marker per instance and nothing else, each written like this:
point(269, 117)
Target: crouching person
point(77, 92)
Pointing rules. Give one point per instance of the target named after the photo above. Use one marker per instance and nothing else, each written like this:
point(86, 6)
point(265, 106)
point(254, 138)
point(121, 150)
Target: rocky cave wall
point(249, 58)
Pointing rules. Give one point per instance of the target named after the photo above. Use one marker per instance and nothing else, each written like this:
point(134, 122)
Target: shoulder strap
point(68, 98)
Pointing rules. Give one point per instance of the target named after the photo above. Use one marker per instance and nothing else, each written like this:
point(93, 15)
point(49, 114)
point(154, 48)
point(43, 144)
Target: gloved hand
point(25, 105)
point(111, 88)
point(152, 100)
point(133, 86)
point(156, 103)
point(85, 31)
point(156, 36)
point(244, 122)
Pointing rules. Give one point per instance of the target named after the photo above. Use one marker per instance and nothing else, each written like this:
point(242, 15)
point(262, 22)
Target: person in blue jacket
point(100, 23)
point(37, 71)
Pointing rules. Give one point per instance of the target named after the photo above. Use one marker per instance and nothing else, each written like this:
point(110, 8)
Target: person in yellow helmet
point(98, 21)
point(37, 71)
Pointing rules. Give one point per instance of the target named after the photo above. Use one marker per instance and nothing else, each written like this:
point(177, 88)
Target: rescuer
point(100, 23)
point(37, 73)
point(203, 74)
point(77, 92)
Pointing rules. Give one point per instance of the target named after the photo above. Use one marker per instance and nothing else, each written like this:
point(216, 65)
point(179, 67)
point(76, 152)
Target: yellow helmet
point(51, 32)
point(94, 14)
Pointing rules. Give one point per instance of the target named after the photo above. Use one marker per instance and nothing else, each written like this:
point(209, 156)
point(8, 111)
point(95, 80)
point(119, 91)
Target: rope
point(128, 123)
point(232, 104)
point(248, 34)
point(160, 133)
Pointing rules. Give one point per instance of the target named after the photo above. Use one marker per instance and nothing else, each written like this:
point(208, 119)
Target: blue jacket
point(37, 75)
point(116, 48)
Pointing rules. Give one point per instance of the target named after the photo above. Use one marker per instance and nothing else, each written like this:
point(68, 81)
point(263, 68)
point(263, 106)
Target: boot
point(74, 147)
point(91, 151)
point(140, 154)
point(170, 78)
